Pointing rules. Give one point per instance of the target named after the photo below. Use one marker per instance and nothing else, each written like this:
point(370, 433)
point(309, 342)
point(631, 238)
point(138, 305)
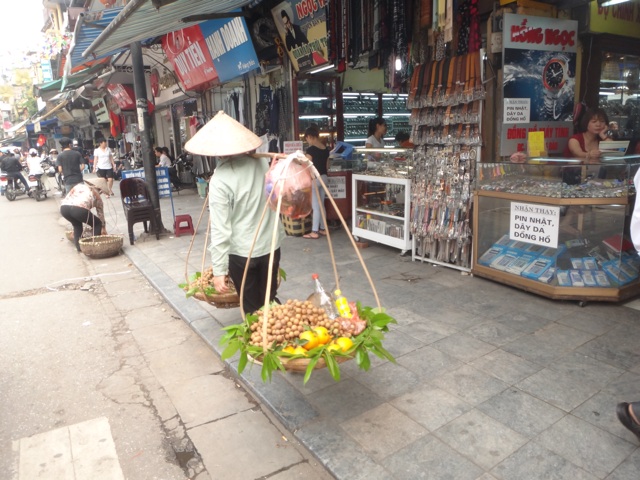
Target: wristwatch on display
point(554, 76)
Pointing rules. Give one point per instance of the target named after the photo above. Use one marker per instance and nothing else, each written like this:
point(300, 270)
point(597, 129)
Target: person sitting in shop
point(584, 145)
point(377, 131)
point(403, 139)
point(318, 153)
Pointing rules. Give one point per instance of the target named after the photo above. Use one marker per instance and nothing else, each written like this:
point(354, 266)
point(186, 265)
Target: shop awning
point(88, 27)
point(19, 139)
point(140, 20)
point(58, 107)
point(16, 127)
point(73, 81)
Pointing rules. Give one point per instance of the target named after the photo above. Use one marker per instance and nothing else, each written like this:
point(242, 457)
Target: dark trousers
point(20, 177)
point(77, 216)
point(255, 287)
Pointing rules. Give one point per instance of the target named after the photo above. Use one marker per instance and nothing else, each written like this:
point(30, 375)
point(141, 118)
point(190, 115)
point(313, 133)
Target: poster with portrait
point(302, 27)
point(539, 56)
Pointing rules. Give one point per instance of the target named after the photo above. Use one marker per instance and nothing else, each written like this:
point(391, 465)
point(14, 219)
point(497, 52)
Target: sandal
point(322, 232)
point(622, 410)
point(312, 235)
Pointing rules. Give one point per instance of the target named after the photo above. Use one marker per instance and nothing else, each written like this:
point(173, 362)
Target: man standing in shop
point(70, 163)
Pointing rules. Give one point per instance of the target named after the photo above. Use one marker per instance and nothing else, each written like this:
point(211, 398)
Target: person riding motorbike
point(13, 168)
point(34, 162)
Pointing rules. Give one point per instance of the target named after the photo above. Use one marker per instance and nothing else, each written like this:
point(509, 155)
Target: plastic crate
point(298, 227)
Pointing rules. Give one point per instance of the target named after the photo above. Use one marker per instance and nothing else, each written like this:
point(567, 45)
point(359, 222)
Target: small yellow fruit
point(299, 351)
point(289, 349)
point(311, 339)
point(333, 347)
point(345, 343)
point(322, 334)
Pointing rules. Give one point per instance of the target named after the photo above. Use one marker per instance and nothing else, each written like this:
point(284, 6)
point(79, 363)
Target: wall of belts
point(446, 101)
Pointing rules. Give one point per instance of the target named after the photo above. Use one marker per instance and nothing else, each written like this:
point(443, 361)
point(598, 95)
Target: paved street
point(102, 380)
point(490, 382)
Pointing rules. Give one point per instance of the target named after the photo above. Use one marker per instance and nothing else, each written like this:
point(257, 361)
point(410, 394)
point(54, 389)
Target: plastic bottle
point(323, 298)
point(343, 305)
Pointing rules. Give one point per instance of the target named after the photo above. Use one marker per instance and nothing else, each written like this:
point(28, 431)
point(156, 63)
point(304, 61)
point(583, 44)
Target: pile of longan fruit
point(287, 321)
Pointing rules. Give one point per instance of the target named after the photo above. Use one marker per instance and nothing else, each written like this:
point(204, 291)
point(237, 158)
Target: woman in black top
point(318, 153)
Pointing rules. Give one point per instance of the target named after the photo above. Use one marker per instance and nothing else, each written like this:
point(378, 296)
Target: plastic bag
point(292, 180)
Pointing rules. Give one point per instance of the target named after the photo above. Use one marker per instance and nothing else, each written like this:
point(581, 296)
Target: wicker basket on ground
point(101, 246)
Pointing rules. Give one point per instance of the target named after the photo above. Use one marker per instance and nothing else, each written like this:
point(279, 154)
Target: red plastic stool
point(183, 224)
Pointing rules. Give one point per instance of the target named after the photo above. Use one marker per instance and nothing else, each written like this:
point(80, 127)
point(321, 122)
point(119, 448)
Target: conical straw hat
point(221, 136)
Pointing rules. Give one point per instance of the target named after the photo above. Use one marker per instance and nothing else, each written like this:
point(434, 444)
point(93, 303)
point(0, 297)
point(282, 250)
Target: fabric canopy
point(88, 27)
point(73, 81)
point(140, 20)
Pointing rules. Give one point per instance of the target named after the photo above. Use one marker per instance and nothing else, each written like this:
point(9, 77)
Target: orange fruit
point(322, 334)
point(299, 351)
point(345, 343)
point(311, 339)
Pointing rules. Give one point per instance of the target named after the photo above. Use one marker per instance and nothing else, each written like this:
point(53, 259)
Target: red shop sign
point(187, 51)
point(123, 95)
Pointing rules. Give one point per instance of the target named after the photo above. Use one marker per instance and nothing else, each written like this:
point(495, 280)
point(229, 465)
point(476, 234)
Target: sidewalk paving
point(490, 382)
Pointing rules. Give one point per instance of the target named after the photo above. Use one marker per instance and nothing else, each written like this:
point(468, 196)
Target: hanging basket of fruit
point(320, 332)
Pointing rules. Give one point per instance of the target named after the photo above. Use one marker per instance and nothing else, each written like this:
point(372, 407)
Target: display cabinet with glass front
point(316, 105)
point(361, 108)
point(557, 228)
point(382, 197)
point(619, 95)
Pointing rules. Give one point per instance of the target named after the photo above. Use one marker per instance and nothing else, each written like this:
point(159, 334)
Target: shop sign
point(291, 146)
point(190, 57)
point(337, 186)
point(622, 19)
point(302, 26)
point(123, 95)
point(539, 57)
point(537, 224)
point(99, 107)
point(230, 47)
point(47, 73)
point(154, 80)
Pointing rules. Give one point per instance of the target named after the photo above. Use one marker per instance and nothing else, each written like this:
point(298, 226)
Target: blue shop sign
point(230, 46)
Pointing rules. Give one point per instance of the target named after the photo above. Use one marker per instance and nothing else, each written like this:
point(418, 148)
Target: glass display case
point(534, 231)
point(382, 197)
point(619, 94)
point(316, 105)
point(360, 108)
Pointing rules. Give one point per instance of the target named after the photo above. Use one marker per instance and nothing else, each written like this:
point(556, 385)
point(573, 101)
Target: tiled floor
point(490, 382)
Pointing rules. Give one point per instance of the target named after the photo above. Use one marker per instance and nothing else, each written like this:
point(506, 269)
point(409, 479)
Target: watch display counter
point(382, 197)
point(563, 241)
point(361, 108)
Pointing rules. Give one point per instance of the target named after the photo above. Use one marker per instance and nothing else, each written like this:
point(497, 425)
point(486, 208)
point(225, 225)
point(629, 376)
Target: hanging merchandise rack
point(446, 101)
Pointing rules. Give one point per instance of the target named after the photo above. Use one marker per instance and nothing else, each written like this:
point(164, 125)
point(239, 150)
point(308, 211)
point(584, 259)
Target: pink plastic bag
point(293, 181)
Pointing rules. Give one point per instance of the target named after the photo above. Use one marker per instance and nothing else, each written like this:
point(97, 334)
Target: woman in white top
point(103, 164)
point(163, 159)
point(377, 131)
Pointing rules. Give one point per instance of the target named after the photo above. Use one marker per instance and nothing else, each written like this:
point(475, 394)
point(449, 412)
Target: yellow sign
point(622, 19)
point(535, 144)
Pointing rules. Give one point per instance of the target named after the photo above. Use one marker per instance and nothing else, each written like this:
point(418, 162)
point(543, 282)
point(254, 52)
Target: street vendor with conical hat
point(236, 202)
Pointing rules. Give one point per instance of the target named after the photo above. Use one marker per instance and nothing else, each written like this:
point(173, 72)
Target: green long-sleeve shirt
point(236, 202)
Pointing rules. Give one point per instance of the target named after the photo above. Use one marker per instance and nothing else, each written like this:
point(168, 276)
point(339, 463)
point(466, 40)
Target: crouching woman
point(77, 205)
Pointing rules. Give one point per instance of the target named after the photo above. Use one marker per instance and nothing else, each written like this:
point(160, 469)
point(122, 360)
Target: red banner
point(123, 95)
point(187, 51)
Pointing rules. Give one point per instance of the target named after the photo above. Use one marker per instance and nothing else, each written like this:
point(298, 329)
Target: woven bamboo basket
point(101, 246)
point(86, 233)
point(298, 227)
point(299, 365)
